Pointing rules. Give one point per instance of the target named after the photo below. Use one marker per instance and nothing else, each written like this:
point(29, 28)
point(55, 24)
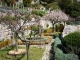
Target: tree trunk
point(12, 40)
point(16, 45)
point(16, 34)
point(34, 35)
point(53, 27)
point(27, 49)
point(31, 33)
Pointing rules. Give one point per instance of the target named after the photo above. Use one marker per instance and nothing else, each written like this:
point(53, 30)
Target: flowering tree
point(17, 23)
point(56, 16)
point(14, 23)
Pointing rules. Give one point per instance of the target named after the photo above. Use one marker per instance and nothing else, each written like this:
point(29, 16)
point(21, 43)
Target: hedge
point(71, 41)
point(59, 55)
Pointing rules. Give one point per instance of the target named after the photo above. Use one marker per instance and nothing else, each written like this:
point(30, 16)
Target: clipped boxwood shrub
point(56, 35)
point(59, 55)
point(35, 28)
point(56, 27)
point(71, 41)
point(57, 44)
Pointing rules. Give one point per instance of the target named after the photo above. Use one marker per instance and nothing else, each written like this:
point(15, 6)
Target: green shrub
point(56, 35)
point(57, 27)
point(59, 55)
point(49, 30)
point(70, 23)
point(57, 44)
point(73, 9)
point(45, 30)
point(38, 13)
point(27, 3)
point(31, 34)
point(35, 12)
point(52, 6)
point(61, 27)
point(35, 28)
point(50, 27)
point(71, 41)
point(36, 6)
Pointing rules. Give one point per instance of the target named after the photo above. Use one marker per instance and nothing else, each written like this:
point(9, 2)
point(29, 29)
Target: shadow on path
point(52, 52)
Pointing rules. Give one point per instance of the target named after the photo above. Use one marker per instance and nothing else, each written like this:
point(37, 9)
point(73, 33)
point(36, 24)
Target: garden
point(35, 53)
point(40, 30)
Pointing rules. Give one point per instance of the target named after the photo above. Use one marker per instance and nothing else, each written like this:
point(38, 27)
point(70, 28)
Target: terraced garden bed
point(35, 54)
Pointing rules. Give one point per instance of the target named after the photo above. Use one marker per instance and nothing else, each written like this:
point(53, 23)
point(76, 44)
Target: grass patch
point(3, 53)
point(35, 54)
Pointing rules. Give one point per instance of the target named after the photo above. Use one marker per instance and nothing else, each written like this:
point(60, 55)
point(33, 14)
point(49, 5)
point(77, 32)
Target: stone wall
point(70, 28)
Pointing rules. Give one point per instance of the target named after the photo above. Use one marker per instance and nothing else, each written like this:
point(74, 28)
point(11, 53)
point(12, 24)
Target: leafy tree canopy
point(71, 7)
point(27, 2)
